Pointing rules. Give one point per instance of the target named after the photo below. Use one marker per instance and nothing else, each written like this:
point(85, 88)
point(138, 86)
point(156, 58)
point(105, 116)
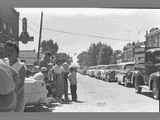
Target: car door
point(119, 76)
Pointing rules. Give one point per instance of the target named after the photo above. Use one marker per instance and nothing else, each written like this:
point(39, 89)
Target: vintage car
point(122, 71)
point(120, 76)
point(129, 79)
point(95, 72)
point(90, 73)
point(109, 75)
point(104, 75)
point(99, 72)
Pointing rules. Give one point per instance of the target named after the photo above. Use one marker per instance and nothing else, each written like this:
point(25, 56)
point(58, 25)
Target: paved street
point(98, 96)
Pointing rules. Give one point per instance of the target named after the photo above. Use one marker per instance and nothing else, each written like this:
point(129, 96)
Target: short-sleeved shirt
point(73, 78)
point(20, 68)
point(38, 76)
point(57, 69)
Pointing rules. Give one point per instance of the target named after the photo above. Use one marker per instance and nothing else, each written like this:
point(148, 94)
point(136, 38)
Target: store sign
point(24, 22)
point(24, 37)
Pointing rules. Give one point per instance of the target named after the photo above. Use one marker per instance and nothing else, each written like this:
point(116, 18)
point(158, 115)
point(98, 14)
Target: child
point(73, 83)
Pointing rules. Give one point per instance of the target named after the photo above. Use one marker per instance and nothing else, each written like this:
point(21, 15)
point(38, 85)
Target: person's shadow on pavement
point(78, 101)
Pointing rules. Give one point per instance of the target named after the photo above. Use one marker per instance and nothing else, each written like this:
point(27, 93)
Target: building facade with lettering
point(9, 24)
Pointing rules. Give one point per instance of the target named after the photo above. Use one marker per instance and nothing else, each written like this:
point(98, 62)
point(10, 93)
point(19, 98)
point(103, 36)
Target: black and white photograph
point(79, 59)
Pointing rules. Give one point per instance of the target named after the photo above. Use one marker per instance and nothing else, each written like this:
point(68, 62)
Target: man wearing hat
point(65, 76)
point(12, 53)
point(8, 77)
point(46, 60)
point(73, 82)
point(41, 75)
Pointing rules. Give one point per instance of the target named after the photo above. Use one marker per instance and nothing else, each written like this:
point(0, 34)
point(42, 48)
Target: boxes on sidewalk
point(35, 91)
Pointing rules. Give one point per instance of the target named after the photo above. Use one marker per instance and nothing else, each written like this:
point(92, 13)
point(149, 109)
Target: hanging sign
point(24, 22)
point(24, 37)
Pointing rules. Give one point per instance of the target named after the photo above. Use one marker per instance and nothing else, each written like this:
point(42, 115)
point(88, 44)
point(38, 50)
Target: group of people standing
point(13, 73)
point(60, 73)
point(12, 76)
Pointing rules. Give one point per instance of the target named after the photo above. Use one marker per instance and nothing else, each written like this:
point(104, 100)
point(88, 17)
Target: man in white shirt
point(41, 75)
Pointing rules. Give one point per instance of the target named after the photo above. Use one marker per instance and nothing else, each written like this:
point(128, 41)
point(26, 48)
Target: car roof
point(153, 50)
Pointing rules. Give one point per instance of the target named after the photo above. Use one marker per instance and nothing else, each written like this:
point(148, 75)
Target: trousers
point(74, 92)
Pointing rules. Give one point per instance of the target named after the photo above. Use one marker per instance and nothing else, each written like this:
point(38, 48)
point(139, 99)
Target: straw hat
point(43, 69)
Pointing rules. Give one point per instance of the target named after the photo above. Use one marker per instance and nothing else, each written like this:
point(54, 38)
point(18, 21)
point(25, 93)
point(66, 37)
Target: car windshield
point(157, 57)
point(129, 67)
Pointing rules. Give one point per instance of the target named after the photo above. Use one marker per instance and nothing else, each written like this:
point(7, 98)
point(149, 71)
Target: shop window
point(1, 27)
point(4, 26)
point(11, 30)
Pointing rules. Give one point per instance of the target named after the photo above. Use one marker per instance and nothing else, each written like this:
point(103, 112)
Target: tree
point(104, 56)
point(97, 54)
point(92, 56)
point(98, 48)
point(117, 54)
point(49, 45)
point(63, 57)
point(83, 59)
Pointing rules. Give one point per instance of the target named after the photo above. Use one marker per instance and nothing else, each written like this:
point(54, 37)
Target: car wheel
point(155, 90)
point(116, 79)
point(137, 84)
point(119, 83)
point(137, 88)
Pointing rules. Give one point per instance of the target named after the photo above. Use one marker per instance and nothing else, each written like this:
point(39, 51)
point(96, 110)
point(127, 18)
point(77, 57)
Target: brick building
point(128, 52)
point(139, 57)
point(9, 24)
point(153, 38)
point(136, 52)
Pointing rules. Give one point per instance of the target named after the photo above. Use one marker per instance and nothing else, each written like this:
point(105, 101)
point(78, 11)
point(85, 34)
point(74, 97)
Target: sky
point(74, 29)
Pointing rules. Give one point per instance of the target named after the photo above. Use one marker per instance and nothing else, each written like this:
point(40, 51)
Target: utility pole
point(40, 36)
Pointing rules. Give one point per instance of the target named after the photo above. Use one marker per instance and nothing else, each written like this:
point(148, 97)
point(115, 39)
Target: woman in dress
point(58, 77)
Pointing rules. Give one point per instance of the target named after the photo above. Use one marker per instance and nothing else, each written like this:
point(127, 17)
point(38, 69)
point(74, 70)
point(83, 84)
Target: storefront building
point(128, 52)
point(9, 24)
point(153, 38)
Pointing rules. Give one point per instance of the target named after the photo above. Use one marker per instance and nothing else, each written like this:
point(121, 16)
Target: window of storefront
point(1, 27)
point(10, 30)
point(4, 26)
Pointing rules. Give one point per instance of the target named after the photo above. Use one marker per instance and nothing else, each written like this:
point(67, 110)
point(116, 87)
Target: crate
point(35, 91)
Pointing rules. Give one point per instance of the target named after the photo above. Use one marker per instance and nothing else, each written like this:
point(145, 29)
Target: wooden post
point(40, 36)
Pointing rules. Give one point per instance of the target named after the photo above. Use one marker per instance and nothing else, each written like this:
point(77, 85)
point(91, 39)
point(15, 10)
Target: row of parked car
point(122, 73)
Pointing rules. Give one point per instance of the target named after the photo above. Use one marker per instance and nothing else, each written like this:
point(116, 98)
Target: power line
point(31, 28)
point(81, 34)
